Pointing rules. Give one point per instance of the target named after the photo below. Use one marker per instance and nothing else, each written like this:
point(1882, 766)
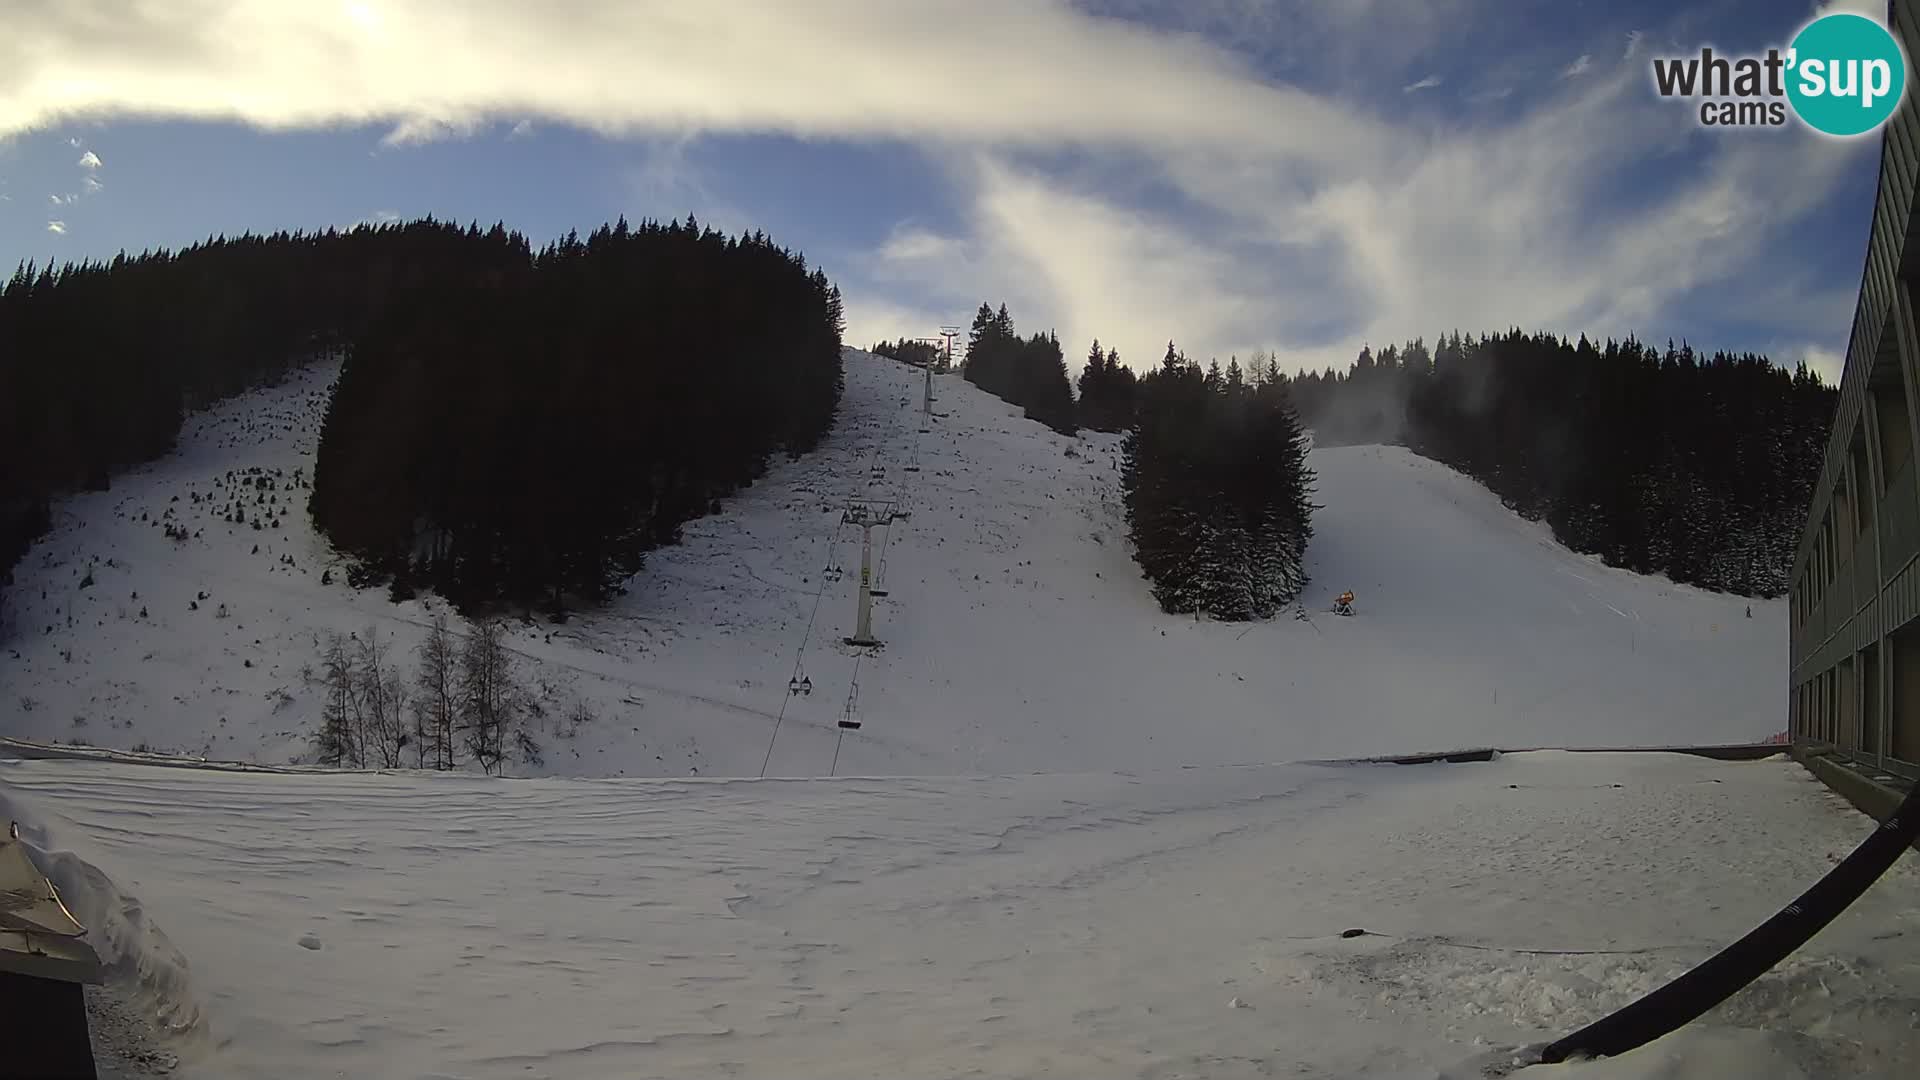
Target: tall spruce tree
point(1106, 391)
point(1217, 492)
point(1030, 372)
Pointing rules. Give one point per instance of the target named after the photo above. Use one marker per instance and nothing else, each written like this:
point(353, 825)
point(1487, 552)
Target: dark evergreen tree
point(1217, 491)
point(1121, 391)
point(508, 426)
point(1031, 373)
point(1091, 374)
point(1106, 391)
point(528, 440)
point(917, 353)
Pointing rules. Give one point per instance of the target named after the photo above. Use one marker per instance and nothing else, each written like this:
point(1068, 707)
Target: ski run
point(1072, 837)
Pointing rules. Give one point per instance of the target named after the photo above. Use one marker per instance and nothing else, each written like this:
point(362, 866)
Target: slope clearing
point(1018, 633)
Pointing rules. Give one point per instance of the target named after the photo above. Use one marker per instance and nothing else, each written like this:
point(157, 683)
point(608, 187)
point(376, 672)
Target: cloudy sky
point(1296, 175)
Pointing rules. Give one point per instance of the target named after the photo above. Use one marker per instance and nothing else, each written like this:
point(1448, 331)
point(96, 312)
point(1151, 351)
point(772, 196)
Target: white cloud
point(89, 160)
point(74, 142)
point(1297, 216)
point(56, 226)
point(1823, 361)
point(416, 130)
point(520, 130)
point(1361, 36)
point(62, 200)
point(90, 183)
point(1091, 268)
point(871, 319)
point(664, 183)
point(1427, 83)
point(909, 243)
point(1455, 231)
point(627, 69)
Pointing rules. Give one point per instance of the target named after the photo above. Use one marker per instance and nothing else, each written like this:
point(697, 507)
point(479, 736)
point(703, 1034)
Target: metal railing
point(1867, 760)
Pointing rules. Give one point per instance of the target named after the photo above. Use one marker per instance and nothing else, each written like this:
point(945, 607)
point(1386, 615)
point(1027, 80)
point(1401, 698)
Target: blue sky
point(1300, 176)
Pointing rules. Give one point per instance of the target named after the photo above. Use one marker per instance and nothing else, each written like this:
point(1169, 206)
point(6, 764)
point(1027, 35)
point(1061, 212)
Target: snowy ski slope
point(1019, 635)
point(1061, 851)
point(1174, 923)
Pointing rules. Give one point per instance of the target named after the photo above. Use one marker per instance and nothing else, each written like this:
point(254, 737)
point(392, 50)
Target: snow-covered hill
point(1019, 635)
point(1160, 902)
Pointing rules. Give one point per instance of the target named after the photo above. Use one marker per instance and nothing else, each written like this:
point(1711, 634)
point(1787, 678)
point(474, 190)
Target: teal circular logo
point(1845, 75)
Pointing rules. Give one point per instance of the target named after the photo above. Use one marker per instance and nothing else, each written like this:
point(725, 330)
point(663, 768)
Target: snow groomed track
point(1090, 925)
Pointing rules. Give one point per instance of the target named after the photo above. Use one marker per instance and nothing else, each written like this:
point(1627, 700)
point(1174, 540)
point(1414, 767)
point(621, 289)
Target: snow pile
point(1019, 634)
point(135, 955)
point(1077, 925)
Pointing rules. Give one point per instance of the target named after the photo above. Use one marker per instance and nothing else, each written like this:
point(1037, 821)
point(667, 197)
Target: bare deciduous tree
point(383, 696)
point(464, 693)
point(489, 701)
point(436, 704)
point(339, 742)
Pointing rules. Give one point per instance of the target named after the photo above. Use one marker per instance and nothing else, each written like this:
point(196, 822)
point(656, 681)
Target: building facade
point(1854, 602)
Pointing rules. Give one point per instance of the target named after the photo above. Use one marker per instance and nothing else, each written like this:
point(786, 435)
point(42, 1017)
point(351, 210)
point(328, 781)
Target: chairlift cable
point(800, 653)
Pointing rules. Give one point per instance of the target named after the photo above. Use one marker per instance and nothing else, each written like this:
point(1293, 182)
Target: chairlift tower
point(949, 332)
point(867, 515)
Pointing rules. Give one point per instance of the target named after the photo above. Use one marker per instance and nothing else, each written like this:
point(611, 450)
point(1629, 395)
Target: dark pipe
point(1723, 974)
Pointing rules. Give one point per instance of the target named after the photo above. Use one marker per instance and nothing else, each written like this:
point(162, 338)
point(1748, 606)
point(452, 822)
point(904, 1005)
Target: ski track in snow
point(1019, 634)
point(1072, 925)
